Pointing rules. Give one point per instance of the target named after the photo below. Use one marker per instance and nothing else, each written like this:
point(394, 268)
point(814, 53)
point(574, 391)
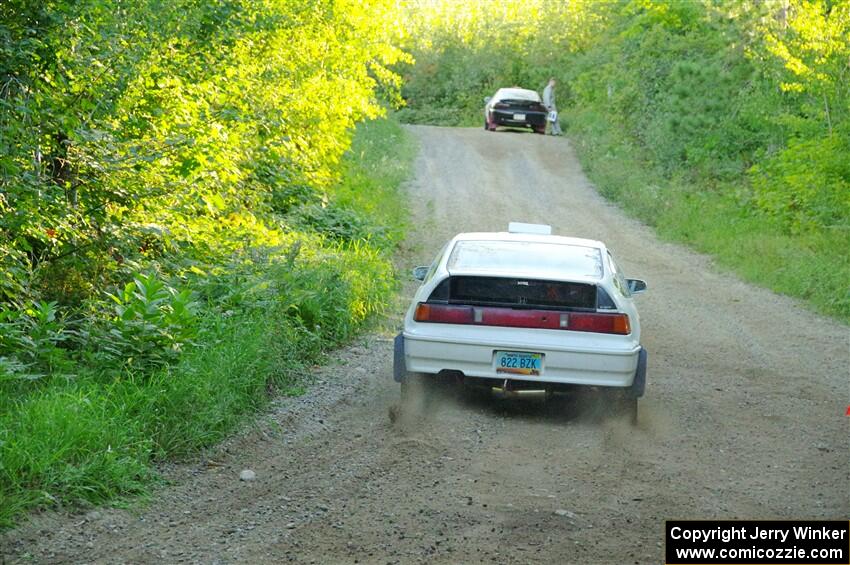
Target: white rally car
point(525, 310)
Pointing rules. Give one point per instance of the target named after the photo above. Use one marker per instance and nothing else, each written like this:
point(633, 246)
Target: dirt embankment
point(744, 418)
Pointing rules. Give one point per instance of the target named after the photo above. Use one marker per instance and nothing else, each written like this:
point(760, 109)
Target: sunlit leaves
point(814, 43)
point(175, 113)
point(806, 185)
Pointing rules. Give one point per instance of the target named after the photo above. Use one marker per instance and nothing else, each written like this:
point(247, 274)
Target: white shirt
point(549, 97)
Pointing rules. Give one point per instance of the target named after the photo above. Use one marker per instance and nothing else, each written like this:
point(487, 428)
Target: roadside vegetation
point(723, 125)
point(185, 224)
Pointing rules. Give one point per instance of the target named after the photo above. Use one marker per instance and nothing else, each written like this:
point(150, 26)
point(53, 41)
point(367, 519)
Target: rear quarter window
point(434, 264)
point(619, 279)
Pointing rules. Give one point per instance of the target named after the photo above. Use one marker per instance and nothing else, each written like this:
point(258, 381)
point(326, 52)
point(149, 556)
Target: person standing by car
point(549, 102)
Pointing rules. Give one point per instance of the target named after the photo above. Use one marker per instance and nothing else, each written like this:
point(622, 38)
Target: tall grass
point(95, 436)
point(814, 266)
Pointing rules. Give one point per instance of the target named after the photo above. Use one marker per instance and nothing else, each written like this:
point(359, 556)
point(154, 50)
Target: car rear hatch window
point(517, 94)
point(517, 99)
point(526, 259)
point(516, 293)
point(522, 303)
point(518, 104)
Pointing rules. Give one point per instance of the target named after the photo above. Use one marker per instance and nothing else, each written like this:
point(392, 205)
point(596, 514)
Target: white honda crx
point(525, 310)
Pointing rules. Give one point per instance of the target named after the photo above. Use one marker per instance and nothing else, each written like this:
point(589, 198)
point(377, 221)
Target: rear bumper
point(506, 118)
point(611, 368)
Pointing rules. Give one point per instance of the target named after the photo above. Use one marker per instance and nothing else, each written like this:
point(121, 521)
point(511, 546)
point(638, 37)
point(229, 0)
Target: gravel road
point(743, 418)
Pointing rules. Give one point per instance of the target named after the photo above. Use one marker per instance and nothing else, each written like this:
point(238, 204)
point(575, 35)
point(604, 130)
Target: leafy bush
point(176, 361)
point(151, 324)
point(136, 131)
point(806, 185)
point(31, 340)
point(340, 224)
point(175, 153)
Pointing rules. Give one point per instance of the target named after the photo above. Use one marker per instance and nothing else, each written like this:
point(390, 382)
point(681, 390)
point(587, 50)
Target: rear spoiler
point(536, 229)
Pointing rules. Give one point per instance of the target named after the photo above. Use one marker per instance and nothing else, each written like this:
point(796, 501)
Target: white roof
point(531, 255)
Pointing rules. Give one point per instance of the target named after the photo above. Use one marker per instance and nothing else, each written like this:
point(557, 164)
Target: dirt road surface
point(743, 418)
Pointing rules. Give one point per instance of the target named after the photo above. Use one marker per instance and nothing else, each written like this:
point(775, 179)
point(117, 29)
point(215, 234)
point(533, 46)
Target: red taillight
point(501, 105)
point(520, 318)
point(600, 323)
point(511, 318)
point(441, 313)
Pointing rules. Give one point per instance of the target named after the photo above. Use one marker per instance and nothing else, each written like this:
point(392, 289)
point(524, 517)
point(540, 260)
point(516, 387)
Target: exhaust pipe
point(506, 391)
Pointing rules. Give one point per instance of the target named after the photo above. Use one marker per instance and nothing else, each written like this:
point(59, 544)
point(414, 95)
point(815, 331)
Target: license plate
point(516, 363)
point(519, 117)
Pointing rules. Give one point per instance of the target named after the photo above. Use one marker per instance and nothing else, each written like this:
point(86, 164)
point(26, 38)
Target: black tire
point(486, 124)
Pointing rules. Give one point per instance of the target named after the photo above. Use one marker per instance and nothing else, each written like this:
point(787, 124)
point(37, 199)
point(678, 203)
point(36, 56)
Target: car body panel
point(569, 357)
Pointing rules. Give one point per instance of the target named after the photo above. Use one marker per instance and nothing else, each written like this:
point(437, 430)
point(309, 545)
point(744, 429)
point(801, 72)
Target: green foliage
point(813, 47)
point(806, 184)
point(133, 130)
point(464, 51)
point(676, 107)
point(151, 324)
point(30, 340)
point(161, 266)
point(340, 224)
point(173, 364)
point(378, 163)
point(813, 265)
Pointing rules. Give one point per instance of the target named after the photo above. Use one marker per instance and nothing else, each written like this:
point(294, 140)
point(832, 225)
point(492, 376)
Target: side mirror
point(636, 286)
point(420, 272)
point(486, 99)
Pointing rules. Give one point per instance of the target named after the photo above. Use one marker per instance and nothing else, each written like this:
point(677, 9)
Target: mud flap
point(399, 368)
point(639, 385)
